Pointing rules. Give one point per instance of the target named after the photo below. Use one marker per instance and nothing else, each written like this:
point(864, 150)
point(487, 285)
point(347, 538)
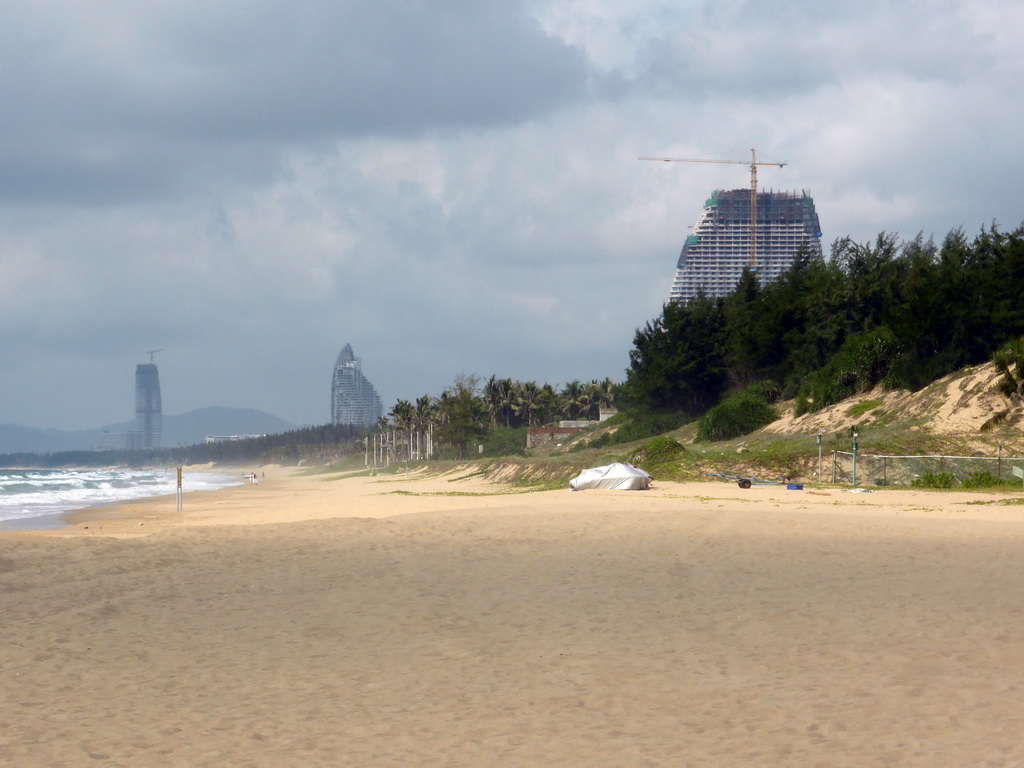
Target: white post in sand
point(854, 458)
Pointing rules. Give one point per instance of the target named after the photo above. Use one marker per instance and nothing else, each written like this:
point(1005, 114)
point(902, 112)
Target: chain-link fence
point(873, 469)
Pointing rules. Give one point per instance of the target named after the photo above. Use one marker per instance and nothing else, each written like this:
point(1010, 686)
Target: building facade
point(354, 401)
point(148, 409)
point(714, 256)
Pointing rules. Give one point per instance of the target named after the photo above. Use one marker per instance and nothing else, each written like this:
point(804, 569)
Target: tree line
point(470, 410)
point(899, 313)
point(326, 442)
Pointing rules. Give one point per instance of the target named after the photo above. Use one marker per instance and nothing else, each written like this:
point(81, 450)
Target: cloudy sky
point(450, 186)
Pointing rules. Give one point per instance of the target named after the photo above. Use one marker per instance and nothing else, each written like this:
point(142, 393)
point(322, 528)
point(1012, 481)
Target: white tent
point(622, 477)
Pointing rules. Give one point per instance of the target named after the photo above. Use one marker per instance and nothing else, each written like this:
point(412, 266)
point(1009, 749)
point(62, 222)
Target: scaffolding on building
point(714, 256)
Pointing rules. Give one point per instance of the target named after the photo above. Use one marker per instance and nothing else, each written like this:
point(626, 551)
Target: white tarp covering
point(622, 477)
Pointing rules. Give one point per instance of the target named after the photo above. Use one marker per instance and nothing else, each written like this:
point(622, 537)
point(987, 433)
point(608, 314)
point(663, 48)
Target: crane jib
point(754, 162)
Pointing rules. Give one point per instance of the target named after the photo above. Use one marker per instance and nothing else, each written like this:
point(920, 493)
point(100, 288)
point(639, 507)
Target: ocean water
point(36, 498)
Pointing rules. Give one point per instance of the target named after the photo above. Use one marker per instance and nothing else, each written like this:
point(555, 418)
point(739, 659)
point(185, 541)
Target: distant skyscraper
point(354, 401)
point(714, 256)
point(148, 408)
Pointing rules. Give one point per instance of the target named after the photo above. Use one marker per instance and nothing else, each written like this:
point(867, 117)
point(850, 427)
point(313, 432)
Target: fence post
point(854, 479)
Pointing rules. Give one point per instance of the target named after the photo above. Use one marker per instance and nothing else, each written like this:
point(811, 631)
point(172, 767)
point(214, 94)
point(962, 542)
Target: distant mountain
point(184, 429)
point(190, 428)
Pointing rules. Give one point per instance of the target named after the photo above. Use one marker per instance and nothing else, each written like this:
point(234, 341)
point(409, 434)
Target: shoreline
point(61, 520)
point(293, 494)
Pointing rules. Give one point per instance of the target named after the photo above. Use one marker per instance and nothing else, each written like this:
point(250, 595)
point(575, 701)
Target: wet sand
point(354, 621)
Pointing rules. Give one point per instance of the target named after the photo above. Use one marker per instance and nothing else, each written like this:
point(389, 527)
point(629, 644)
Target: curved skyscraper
point(354, 401)
point(714, 256)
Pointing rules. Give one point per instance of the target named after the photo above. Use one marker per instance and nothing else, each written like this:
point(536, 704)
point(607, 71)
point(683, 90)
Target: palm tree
point(498, 399)
point(570, 399)
point(461, 413)
point(588, 400)
point(605, 394)
point(380, 446)
point(548, 402)
point(404, 416)
point(528, 400)
point(506, 399)
point(426, 412)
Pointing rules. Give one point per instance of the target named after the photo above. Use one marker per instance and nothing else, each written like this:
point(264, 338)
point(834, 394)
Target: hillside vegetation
point(891, 313)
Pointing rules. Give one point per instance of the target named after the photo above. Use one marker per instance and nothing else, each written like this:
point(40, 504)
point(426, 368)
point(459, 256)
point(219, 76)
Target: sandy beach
point(444, 621)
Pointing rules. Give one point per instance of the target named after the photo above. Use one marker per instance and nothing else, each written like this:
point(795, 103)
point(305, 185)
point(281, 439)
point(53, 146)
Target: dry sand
point(434, 621)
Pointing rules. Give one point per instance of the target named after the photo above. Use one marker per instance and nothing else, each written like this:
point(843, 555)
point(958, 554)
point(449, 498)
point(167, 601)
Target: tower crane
point(754, 162)
point(151, 353)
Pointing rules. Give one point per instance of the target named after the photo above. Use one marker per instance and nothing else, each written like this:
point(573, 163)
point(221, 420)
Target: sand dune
point(435, 621)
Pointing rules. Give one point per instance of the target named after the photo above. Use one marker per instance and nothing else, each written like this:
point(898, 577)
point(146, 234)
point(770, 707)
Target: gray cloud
point(449, 187)
point(110, 109)
point(761, 52)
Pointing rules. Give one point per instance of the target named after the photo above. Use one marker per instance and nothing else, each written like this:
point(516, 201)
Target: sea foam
point(35, 498)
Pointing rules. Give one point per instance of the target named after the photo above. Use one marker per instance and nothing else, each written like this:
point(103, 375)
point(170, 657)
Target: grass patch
point(344, 475)
point(863, 407)
point(657, 451)
point(531, 486)
point(478, 473)
point(513, 492)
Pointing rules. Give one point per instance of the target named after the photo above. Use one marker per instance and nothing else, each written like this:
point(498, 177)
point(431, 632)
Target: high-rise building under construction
point(715, 254)
point(354, 401)
point(148, 408)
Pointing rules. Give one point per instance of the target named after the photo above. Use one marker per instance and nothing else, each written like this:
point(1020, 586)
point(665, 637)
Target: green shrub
point(640, 424)
point(949, 480)
point(659, 450)
point(864, 360)
point(982, 480)
point(767, 390)
point(935, 480)
point(505, 441)
point(448, 453)
point(736, 416)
